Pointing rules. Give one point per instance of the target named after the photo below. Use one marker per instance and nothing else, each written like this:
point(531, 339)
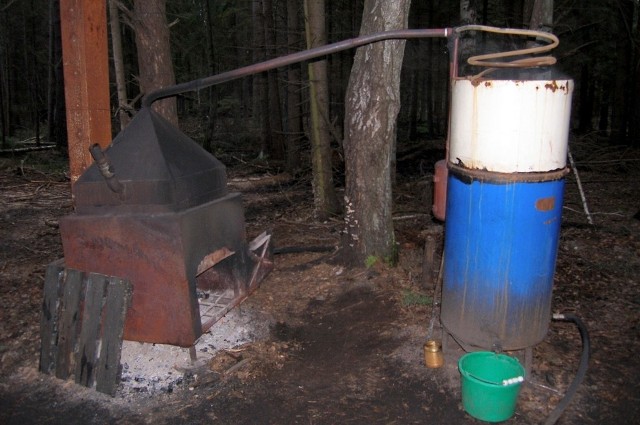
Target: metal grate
point(214, 305)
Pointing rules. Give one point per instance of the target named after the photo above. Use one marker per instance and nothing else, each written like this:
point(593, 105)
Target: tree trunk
point(260, 100)
point(294, 99)
point(586, 85)
point(212, 111)
point(585, 105)
point(620, 104)
point(154, 53)
point(276, 147)
point(414, 95)
point(468, 12)
point(605, 99)
point(372, 106)
point(3, 125)
point(513, 11)
point(634, 124)
point(6, 79)
point(467, 43)
point(242, 56)
point(542, 16)
point(56, 117)
point(324, 195)
point(118, 65)
point(30, 72)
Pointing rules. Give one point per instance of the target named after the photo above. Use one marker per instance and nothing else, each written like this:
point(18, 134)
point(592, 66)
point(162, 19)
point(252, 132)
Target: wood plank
point(68, 323)
point(53, 280)
point(86, 79)
point(118, 301)
point(86, 355)
point(82, 325)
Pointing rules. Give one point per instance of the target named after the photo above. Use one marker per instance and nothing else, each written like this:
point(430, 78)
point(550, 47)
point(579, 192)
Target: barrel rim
point(470, 175)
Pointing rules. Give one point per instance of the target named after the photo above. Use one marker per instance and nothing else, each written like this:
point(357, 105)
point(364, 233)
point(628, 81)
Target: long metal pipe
point(486, 60)
point(293, 58)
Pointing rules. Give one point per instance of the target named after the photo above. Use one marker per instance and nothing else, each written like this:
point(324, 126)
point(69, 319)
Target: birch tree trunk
point(324, 195)
point(372, 105)
point(154, 53)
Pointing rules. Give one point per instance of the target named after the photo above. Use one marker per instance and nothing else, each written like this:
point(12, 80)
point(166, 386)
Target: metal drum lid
point(510, 126)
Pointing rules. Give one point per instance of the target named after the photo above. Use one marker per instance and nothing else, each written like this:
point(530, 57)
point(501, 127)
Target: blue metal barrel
point(504, 208)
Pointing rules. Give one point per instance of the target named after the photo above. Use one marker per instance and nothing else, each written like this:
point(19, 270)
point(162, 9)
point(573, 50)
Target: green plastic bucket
point(490, 385)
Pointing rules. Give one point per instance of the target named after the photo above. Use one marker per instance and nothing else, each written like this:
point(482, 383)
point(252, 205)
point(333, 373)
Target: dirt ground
point(345, 345)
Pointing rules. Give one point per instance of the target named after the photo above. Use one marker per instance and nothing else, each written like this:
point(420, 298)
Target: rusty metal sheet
point(159, 254)
point(159, 168)
point(469, 175)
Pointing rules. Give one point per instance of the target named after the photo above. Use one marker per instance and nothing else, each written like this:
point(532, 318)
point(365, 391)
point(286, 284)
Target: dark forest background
point(598, 49)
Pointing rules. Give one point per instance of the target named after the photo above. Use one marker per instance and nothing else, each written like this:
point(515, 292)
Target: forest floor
point(342, 345)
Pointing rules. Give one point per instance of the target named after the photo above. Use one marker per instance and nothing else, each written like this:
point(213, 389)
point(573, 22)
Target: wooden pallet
point(82, 323)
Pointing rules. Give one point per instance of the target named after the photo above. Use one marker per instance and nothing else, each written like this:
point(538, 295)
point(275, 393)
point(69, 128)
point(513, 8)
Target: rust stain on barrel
point(553, 86)
point(546, 204)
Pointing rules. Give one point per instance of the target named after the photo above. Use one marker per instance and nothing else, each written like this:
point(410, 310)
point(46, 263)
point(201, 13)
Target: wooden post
point(86, 79)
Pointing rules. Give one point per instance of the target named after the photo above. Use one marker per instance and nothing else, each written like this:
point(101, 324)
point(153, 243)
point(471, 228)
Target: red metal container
point(154, 209)
point(440, 190)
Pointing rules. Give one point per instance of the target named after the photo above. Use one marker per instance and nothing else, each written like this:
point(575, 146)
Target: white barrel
point(510, 126)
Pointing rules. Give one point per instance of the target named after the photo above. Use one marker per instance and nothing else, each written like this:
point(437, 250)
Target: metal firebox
point(155, 209)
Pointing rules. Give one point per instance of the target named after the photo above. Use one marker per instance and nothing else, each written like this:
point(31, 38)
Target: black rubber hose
point(299, 249)
point(582, 367)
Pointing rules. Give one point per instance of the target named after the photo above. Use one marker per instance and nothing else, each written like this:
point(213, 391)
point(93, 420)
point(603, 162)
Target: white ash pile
point(149, 369)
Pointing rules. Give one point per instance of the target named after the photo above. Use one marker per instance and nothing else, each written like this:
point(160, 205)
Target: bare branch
point(127, 15)
point(7, 5)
